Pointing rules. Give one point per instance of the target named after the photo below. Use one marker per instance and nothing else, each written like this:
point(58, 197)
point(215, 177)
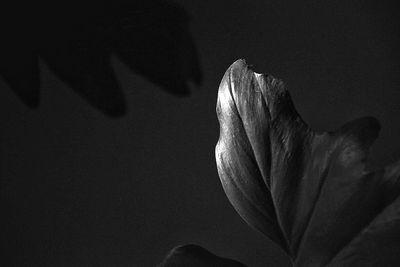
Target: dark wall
point(81, 189)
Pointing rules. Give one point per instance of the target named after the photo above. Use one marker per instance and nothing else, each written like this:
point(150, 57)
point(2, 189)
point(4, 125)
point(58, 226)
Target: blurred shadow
point(76, 40)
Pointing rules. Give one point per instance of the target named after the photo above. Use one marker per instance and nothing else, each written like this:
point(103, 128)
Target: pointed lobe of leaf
point(196, 256)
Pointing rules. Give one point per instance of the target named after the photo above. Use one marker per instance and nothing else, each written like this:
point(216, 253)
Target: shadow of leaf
point(76, 39)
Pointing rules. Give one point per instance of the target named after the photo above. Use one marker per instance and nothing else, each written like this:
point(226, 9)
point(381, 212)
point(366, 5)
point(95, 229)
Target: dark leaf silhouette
point(196, 256)
point(76, 40)
point(309, 192)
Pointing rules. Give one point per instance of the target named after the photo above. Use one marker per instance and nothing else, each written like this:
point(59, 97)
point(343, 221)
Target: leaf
point(196, 256)
point(308, 191)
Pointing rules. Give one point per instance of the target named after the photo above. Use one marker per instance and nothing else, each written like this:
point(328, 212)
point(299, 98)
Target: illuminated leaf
point(308, 191)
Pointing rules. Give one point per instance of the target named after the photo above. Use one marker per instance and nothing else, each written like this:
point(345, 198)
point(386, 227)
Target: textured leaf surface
point(308, 191)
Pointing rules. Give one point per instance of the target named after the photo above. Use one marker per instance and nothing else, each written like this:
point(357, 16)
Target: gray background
point(81, 189)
